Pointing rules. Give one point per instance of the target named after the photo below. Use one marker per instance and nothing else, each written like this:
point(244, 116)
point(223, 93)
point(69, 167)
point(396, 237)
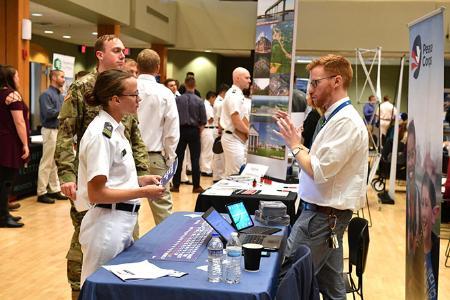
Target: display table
point(251, 202)
point(256, 285)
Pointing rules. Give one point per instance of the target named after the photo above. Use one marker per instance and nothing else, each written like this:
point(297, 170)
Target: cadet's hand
point(149, 179)
point(153, 191)
point(70, 190)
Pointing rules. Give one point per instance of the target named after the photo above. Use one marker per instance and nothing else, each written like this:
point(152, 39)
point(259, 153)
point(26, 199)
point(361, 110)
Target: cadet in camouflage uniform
point(74, 118)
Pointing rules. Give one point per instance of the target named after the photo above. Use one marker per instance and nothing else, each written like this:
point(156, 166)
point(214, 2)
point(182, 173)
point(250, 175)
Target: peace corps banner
point(424, 156)
point(272, 82)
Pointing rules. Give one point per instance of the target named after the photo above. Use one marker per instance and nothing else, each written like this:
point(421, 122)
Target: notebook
point(224, 229)
point(242, 221)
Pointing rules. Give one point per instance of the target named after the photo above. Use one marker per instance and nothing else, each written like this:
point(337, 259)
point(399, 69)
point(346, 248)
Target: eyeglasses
point(136, 95)
point(315, 82)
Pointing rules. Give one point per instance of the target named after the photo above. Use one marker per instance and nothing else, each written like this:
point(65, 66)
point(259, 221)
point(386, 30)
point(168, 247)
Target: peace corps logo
point(416, 53)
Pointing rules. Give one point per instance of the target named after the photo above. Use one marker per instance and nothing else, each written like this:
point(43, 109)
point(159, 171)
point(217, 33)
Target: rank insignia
point(107, 130)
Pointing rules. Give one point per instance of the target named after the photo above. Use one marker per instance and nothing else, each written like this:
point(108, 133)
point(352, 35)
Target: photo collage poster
point(272, 75)
point(424, 156)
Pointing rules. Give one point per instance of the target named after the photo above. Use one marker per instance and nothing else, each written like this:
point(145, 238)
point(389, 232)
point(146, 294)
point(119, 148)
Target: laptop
point(224, 229)
point(242, 221)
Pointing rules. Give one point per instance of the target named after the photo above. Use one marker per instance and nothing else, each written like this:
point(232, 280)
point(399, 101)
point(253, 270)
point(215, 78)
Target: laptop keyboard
point(260, 230)
point(249, 238)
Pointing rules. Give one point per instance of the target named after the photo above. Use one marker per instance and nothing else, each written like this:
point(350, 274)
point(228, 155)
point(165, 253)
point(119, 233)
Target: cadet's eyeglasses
point(315, 82)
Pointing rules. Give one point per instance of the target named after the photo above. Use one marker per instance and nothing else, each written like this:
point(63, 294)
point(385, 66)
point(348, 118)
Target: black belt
point(229, 132)
point(210, 127)
point(121, 206)
point(156, 152)
point(317, 208)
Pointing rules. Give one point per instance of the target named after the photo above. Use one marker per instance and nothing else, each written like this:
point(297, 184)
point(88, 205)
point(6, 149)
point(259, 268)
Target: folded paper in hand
point(141, 270)
point(170, 172)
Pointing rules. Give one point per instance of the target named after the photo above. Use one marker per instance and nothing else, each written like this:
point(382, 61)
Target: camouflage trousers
point(74, 255)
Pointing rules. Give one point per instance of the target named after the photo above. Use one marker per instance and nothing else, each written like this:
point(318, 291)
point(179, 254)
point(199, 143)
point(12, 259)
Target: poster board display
point(273, 82)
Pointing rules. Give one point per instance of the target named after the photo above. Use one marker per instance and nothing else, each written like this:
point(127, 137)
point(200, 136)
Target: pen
point(129, 272)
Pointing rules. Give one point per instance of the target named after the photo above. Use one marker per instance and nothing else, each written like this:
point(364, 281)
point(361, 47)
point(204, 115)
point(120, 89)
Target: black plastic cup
point(252, 256)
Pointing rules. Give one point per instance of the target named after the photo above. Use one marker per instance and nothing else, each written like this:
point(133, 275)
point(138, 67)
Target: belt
point(229, 132)
point(210, 127)
point(322, 209)
point(121, 206)
point(156, 152)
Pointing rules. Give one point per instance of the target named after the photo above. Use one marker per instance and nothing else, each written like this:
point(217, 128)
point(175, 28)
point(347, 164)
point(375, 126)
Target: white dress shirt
point(209, 113)
point(158, 117)
point(339, 156)
point(217, 109)
point(233, 102)
point(107, 156)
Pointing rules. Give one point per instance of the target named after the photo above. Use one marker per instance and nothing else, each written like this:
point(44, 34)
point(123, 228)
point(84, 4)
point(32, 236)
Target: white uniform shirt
point(387, 111)
point(209, 113)
point(339, 156)
point(217, 109)
point(111, 157)
point(158, 117)
point(233, 102)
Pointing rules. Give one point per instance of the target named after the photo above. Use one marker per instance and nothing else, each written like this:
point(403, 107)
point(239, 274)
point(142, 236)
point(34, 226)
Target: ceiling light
point(94, 33)
point(207, 50)
point(48, 31)
point(37, 14)
point(66, 36)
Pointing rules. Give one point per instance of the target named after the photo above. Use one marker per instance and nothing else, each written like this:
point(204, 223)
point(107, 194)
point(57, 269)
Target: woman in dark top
point(14, 135)
point(310, 123)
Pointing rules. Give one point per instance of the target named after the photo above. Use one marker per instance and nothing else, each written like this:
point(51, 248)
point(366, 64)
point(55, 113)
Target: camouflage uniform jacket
point(74, 118)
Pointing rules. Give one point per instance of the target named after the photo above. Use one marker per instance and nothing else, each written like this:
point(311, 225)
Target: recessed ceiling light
point(37, 14)
point(48, 31)
point(207, 50)
point(94, 33)
point(66, 36)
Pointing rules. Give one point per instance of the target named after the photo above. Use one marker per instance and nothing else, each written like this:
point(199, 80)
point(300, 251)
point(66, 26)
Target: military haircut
point(53, 73)
point(108, 84)
point(189, 82)
point(148, 61)
point(100, 42)
point(334, 65)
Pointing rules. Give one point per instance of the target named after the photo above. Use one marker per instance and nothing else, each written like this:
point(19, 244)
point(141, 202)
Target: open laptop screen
point(218, 223)
point(239, 216)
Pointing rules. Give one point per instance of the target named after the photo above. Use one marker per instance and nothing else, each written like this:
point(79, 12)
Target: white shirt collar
point(147, 77)
point(334, 106)
point(104, 115)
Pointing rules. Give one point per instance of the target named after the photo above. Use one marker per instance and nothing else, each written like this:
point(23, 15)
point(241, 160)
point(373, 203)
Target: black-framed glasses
point(315, 82)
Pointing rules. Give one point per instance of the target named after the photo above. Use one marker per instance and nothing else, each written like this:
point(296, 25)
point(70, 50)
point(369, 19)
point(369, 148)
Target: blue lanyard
point(348, 102)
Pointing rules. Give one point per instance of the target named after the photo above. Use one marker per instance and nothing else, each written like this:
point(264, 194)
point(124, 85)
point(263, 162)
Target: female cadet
point(107, 174)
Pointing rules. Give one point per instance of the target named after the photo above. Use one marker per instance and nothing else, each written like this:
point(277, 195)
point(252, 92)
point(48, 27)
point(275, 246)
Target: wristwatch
point(297, 149)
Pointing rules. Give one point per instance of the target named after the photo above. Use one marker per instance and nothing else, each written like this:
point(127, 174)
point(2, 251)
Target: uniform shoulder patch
point(107, 130)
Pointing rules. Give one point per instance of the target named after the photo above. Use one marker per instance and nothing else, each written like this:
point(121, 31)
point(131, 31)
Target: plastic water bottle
point(233, 261)
point(215, 254)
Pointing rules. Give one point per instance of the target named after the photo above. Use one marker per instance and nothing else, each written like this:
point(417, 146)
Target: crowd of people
point(118, 130)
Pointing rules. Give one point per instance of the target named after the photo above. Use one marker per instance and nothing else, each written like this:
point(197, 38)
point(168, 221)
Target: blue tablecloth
point(104, 285)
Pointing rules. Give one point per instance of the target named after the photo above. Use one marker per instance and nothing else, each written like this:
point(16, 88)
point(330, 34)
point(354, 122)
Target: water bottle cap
point(215, 234)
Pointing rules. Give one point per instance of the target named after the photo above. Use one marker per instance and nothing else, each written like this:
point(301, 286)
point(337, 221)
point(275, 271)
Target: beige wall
point(115, 10)
point(204, 65)
point(214, 24)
